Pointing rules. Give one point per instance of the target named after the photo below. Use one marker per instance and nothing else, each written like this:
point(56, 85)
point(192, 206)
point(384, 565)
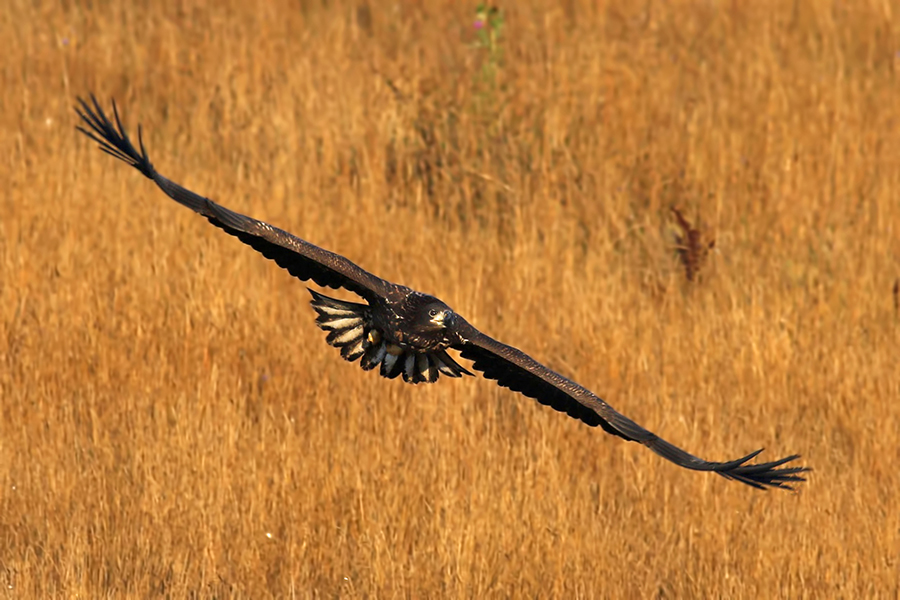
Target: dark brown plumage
point(404, 332)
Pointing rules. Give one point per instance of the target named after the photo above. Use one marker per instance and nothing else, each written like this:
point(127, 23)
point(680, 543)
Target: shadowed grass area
point(173, 423)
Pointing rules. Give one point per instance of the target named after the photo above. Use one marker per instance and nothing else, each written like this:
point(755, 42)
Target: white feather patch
point(335, 311)
point(353, 351)
point(379, 355)
point(341, 323)
point(422, 365)
point(390, 360)
point(348, 336)
point(427, 369)
point(442, 367)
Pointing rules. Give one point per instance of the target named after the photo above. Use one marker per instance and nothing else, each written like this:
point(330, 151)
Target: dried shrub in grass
point(692, 245)
point(897, 297)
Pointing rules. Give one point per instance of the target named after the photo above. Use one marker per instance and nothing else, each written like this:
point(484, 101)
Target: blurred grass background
point(174, 425)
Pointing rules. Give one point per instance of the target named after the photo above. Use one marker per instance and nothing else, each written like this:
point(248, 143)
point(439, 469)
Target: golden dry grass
point(173, 423)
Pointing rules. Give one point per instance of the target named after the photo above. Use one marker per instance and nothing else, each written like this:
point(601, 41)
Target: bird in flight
point(402, 332)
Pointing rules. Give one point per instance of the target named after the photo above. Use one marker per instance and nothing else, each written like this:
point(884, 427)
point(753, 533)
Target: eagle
point(402, 332)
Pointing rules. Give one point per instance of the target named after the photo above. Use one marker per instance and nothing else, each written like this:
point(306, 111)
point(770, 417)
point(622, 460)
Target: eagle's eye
point(432, 313)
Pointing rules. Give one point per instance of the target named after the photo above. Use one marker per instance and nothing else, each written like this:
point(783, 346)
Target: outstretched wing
point(300, 258)
point(517, 371)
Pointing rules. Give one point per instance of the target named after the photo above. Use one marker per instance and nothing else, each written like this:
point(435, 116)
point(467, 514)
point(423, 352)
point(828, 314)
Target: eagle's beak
point(441, 318)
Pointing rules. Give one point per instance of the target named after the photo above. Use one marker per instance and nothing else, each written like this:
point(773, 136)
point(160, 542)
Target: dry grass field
point(172, 423)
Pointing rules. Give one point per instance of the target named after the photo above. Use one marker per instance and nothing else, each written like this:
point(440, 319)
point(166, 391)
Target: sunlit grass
point(174, 424)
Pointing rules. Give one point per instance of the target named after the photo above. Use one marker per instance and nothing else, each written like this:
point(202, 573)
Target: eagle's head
point(432, 315)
